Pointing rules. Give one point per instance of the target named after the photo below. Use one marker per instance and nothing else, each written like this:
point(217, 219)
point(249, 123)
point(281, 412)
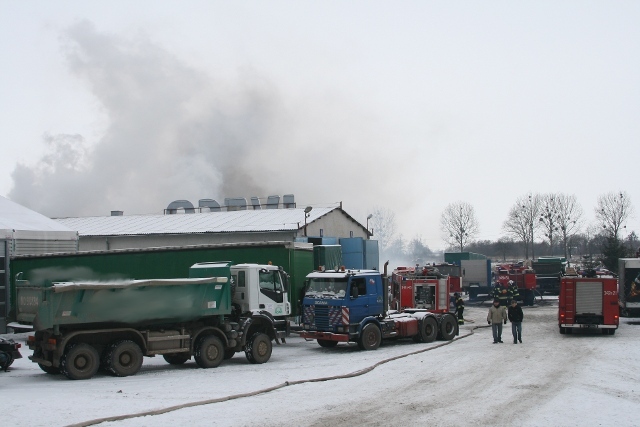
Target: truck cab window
point(241, 279)
point(361, 284)
point(271, 284)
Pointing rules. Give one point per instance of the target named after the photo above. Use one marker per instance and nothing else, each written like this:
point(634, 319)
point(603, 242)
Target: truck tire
point(473, 293)
point(123, 358)
point(51, 370)
point(327, 343)
point(177, 358)
point(428, 330)
point(258, 349)
point(612, 331)
point(563, 330)
point(80, 362)
point(209, 352)
point(448, 327)
point(370, 337)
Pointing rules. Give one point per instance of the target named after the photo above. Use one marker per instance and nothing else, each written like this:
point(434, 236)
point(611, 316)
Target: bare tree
point(383, 226)
point(523, 221)
point(612, 211)
point(459, 225)
point(549, 218)
point(568, 218)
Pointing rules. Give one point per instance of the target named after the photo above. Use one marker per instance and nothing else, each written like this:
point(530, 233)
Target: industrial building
point(184, 225)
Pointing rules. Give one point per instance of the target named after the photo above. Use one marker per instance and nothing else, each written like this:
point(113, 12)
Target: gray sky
point(120, 105)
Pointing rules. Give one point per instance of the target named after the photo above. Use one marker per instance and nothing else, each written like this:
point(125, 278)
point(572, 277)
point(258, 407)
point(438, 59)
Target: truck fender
point(366, 321)
point(261, 321)
point(208, 330)
point(132, 334)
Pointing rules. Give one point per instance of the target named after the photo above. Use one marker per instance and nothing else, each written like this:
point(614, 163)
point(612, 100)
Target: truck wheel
point(327, 343)
point(370, 337)
point(448, 327)
point(612, 331)
point(177, 358)
point(258, 349)
point(51, 370)
point(563, 330)
point(209, 352)
point(80, 362)
point(123, 358)
point(428, 330)
point(473, 293)
point(229, 353)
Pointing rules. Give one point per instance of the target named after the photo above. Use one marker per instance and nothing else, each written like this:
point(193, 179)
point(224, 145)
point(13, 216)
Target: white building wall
point(335, 224)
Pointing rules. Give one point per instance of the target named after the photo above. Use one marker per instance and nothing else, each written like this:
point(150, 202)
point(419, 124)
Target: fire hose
point(269, 389)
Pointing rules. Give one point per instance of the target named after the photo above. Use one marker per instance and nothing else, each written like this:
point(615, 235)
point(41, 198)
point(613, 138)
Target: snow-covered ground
point(550, 379)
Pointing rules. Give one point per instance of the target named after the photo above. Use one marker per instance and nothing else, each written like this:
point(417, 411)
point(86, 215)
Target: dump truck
point(83, 326)
point(352, 306)
point(588, 303)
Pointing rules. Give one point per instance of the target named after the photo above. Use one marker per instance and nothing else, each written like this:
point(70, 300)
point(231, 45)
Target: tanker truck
point(83, 326)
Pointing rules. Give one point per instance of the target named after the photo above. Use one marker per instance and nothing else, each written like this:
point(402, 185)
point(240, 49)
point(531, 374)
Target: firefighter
point(514, 292)
point(501, 293)
point(459, 308)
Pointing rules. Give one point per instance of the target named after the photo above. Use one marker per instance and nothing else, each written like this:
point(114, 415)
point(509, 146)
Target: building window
point(351, 234)
point(321, 232)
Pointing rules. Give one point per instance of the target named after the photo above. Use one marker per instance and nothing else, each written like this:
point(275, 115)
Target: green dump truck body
point(127, 302)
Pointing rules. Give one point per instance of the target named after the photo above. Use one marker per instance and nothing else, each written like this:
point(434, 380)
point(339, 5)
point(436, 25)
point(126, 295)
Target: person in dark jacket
point(459, 308)
point(515, 317)
point(502, 293)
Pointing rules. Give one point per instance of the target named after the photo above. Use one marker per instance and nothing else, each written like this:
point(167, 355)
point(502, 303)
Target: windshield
point(270, 280)
point(327, 288)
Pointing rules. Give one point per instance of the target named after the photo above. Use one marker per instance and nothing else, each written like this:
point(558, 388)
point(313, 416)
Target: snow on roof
point(206, 222)
point(15, 218)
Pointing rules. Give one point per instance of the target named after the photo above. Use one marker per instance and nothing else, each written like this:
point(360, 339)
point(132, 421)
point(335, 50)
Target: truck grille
point(323, 317)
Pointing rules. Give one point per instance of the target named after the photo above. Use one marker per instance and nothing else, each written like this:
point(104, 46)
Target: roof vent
point(288, 202)
point(273, 202)
point(117, 213)
point(210, 204)
point(236, 204)
point(255, 203)
point(180, 204)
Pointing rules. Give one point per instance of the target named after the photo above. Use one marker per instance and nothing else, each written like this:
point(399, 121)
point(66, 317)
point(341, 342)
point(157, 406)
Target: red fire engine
point(523, 277)
point(421, 288)
point(588, 303)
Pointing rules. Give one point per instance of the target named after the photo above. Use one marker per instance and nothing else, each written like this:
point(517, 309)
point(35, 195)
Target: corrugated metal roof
point(207, 222)
point(15, 218)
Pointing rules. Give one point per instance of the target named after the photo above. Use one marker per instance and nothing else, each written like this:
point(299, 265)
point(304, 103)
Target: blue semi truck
point(352, 306)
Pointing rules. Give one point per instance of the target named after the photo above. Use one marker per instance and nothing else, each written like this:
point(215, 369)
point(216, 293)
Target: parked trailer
point(629, 280)
point(549, 272)
point(351, 306)
point(588, 303)
point(82, 326)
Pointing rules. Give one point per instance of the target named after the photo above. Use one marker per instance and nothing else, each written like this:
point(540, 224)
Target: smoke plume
point(175, 132)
